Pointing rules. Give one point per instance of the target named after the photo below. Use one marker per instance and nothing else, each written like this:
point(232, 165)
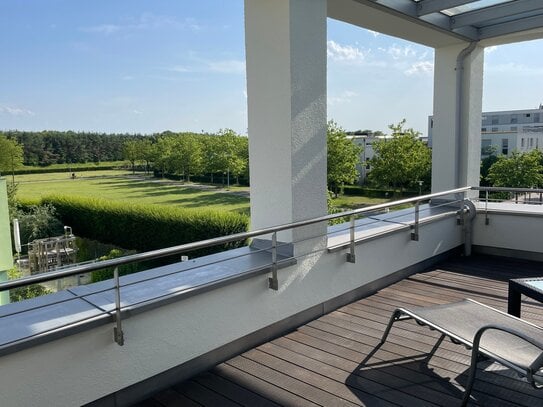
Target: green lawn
point(355, 202)
point(120, 186)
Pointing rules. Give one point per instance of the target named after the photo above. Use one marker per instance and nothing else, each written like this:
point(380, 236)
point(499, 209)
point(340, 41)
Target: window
point(527, 115)
point(522, 142)
point(505, 146)
point(531, 141)
point(494, 129)
point(514, 128)
point(536, 118)
point(514, 119)
point(495, 119)
point(483, 129)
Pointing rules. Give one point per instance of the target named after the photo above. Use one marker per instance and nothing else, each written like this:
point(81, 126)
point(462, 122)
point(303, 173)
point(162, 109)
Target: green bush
point(108, 273)
point(375, 193)
point(69, 168)
point(146, 227)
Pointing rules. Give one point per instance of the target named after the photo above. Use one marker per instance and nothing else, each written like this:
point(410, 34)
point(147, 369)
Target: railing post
point(351, 257)
point(118, 329)
point(487, 221)
point(273, 281)
point(415, 227)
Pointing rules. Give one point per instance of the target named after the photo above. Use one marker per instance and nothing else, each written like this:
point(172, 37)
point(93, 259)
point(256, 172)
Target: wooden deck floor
point(335, 361)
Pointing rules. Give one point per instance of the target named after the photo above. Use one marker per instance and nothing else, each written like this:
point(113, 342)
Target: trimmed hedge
point(146, 227)
point(217, 178)
point(375, 193)
point(74, 168)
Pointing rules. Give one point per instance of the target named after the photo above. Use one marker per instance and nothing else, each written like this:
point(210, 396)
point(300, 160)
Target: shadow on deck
point(335, 360)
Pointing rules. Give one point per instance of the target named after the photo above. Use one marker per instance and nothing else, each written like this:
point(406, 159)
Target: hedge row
point(375, 193)
point(146, 227)
point(73, 168)
point(218, 178)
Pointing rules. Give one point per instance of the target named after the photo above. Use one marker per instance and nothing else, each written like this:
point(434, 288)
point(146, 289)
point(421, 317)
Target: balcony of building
point(337, 359)
point(123, 341)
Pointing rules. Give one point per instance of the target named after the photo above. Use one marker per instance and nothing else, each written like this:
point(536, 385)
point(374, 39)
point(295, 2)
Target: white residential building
point(507, 131)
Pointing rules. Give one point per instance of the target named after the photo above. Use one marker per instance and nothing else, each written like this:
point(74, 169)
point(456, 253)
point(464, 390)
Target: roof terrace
point(336, 359)
point(181, 320)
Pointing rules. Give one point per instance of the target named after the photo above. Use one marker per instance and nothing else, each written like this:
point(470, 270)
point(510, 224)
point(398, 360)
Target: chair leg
point(393, 318)
point(472, 373)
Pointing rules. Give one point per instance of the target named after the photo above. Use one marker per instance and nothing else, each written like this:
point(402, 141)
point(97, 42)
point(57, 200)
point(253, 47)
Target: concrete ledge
point(86, 307)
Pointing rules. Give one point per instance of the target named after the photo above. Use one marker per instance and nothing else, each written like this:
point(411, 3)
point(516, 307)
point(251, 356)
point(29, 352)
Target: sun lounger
point(490, 333)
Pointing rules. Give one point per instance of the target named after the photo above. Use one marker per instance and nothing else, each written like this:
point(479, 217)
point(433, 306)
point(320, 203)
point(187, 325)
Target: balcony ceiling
point(464, 20)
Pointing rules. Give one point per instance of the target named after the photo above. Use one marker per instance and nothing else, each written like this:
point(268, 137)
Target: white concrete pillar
point(456, 155)
point(286, 92)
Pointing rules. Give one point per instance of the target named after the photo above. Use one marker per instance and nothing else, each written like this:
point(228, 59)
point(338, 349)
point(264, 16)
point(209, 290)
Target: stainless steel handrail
point(154, 254)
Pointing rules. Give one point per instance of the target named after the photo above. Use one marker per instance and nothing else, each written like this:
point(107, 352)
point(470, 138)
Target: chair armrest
point(537, 363)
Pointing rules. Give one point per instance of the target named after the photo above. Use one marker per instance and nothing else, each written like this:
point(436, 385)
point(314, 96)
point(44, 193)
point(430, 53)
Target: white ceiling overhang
point(439, 23)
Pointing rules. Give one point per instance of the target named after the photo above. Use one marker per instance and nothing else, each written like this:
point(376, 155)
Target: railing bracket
point(351, 256)
point(118, 334)
point(415, 226)
point(273, 282)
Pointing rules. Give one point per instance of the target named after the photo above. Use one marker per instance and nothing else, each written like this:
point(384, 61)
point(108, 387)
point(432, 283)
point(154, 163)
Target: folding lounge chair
point(490, 333)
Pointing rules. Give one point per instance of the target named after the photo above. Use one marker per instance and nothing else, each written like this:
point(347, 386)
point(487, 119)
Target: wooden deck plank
point(336, 360)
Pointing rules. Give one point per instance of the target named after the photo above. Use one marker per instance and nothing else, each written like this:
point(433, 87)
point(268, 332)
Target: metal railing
point(270, 233)
point(514, 195)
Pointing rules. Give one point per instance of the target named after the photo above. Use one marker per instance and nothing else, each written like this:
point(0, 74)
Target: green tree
point(400, 161)
point(342, 158)
point(38, 222)
point(146, 152)
point(520, 170)
point(231, 153)
point(131, 153)
point(187, 156)
point(486, 163)
point(11, 155)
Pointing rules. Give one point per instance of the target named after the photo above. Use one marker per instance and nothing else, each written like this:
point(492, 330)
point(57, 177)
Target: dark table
point(530, 287)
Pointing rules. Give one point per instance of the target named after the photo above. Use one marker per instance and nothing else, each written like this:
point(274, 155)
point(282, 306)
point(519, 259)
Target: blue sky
point(148, 66)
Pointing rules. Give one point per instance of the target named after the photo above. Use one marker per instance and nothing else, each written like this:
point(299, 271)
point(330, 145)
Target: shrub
point(37, 222)
point(107, 273)
point(146, 227)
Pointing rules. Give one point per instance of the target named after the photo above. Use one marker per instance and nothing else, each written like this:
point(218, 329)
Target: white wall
point(86, 366)
point(511, 231)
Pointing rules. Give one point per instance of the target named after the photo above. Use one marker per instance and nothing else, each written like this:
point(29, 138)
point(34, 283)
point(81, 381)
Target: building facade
point(507, 131)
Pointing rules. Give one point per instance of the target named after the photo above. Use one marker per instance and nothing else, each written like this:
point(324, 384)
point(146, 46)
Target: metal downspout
point(459, 95)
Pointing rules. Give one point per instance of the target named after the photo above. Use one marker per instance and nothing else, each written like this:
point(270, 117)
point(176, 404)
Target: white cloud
point(421, 67)
point(349, 53)
point(343, 97)
point(105, 29)
point(145, 21)
point(136, 111)
point(515, 69)
point(227, 66)
point(489, 50)
point(178, 68)
point(16, 111)
point(397, 52)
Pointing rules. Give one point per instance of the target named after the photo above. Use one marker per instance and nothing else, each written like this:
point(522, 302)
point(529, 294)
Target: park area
point(123, 186)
